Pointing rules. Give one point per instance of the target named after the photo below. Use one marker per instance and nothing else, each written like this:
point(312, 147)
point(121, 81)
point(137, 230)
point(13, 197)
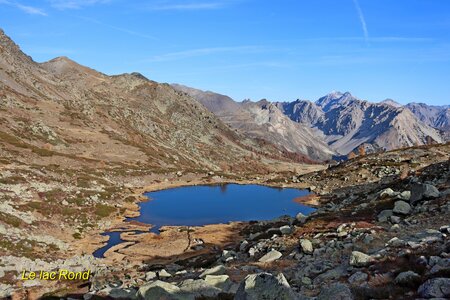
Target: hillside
point(74, 110)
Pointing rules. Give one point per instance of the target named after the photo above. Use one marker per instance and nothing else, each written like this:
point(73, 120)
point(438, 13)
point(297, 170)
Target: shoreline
point(119, 224)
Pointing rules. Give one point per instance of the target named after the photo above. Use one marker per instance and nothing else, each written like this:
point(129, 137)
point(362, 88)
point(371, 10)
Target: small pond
point(213, 204)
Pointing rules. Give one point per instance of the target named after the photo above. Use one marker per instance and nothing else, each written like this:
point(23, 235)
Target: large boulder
point(423, 191)
point(435, 288)
point(198, 288)
point(160, 290)
point(265, 286)
point(359, 259)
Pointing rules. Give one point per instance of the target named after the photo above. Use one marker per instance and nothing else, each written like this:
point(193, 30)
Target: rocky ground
point(385, 236)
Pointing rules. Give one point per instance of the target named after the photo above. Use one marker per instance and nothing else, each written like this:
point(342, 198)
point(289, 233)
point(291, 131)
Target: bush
point(103, 210)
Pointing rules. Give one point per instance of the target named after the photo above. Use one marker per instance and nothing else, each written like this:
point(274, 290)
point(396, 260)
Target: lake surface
point(214, 204)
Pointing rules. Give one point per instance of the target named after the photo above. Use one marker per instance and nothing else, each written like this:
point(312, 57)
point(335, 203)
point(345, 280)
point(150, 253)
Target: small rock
point(387, 193)
point(243, 246)
point(286, 230)
point(395, 228)
point(384, 215)
point(359, 259)
point(408, 278)
point(401, 207)
point(301, 218)
point(306, 246)
point(395, 219)
point(228, 254)
point(217, 270)
point(164, 274)
point(406, 195)
point(222, 282)
point(358, 278)
point(271, 256)
point(396, 242)
point(150, 275)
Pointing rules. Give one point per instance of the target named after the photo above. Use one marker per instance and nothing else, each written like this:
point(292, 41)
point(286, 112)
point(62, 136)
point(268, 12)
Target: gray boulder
point(405, 195)
point(423, 191)
point(217, 270)
point(300, 218)
point(265, 286)
point(408, 278)
point(271, 256)
point(159, 290)
point(387, 193)
point(198, 288)
point(401, 207)
point(442, 266)
point(306, 246)
point(358, 278)
point(222, 282)
point(359, 259)
point(435, 288)
point(286, 230)
point(384, 215)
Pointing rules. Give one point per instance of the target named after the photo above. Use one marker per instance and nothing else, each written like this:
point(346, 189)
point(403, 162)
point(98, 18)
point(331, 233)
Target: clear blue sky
point(279, 50)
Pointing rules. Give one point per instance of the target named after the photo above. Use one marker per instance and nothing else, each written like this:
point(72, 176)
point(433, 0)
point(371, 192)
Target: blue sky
point(279, 50)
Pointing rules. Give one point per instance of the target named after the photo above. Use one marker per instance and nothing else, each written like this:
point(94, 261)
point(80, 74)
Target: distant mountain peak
point(391, 102)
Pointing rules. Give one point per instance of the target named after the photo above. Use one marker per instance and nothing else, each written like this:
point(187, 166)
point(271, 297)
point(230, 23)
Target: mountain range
point(334, 125)
point(77, 111)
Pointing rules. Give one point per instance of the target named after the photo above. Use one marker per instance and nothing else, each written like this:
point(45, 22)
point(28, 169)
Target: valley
point(79, 149)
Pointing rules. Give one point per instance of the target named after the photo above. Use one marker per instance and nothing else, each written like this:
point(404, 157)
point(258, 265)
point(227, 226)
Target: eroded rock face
point(265, 286)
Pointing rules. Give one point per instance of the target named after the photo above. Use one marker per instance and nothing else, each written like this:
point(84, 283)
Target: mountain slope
point(125, 118)
point(432, 115)
point(263, 120)
point(348, 122)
